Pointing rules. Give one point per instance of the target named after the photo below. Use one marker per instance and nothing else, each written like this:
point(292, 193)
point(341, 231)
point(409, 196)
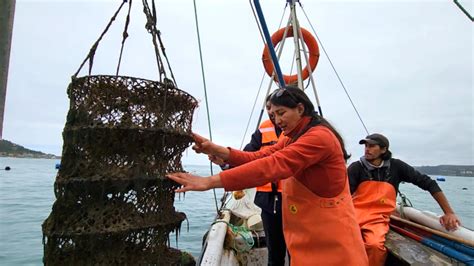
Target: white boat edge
point(431, 220)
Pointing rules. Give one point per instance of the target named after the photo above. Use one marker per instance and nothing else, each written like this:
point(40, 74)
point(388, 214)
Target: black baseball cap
point(377, 139)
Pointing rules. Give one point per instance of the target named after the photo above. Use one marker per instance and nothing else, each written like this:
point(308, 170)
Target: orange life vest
point(269, 137)
point(374, 201)
point(320, 231)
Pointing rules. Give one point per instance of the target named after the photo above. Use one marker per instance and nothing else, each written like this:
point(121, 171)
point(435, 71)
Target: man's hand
point(450, 221)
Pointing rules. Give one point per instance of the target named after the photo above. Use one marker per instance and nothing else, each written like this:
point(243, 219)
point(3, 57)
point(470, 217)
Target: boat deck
point(406, 251)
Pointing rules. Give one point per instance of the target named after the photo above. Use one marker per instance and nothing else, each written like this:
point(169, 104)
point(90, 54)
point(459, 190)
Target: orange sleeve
point(237, 157)
point(311, 148)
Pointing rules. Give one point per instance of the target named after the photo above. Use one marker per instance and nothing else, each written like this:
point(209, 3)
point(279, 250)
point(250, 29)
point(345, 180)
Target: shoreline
point(30, 156)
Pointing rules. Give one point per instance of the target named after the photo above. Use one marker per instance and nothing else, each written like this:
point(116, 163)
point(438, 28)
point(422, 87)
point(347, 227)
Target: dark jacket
point(393, 172)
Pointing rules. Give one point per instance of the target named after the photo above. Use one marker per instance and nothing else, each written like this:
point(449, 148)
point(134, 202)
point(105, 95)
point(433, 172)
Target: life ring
point(310, 42)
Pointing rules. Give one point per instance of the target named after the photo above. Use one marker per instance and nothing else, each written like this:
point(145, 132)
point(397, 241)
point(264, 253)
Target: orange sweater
point(315, 159)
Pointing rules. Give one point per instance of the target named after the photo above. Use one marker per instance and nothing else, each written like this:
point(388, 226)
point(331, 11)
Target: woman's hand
point(191, 182)
point(203, 145)
point(216, 160)
point(450, 221)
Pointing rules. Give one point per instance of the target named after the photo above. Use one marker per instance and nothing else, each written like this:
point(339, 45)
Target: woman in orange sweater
point(318, 215)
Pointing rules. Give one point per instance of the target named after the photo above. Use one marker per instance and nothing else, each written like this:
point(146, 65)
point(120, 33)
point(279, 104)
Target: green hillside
point(449, 170)
point(10, 149)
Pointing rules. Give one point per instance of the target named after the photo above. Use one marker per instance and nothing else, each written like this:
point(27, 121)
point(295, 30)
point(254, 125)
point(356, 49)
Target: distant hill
point(449, 170)
point(10, 149)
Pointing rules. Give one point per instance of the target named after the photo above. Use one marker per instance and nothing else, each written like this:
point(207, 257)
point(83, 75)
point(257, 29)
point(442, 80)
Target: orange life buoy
point(310, 42)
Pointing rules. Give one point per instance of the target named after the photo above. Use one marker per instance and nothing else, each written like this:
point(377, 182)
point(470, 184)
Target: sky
point(407, 66)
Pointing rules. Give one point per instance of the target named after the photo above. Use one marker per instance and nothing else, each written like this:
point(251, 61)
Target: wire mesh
point(114, 204)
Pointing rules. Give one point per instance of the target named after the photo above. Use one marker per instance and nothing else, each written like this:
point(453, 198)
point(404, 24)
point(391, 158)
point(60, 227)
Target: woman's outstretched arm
point(203, 145)
point(191, 182)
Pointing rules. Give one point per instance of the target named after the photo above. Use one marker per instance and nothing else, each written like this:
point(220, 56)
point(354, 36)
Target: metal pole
point(305, 53)
point(296, 37)
point(7, 11)
point(280, 50)
point(268, 39)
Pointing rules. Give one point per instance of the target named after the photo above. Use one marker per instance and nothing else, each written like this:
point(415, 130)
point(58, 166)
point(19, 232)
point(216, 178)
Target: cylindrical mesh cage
point(114, 204)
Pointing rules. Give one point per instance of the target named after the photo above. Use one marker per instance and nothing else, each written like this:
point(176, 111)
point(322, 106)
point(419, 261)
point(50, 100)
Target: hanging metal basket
point(114, 205)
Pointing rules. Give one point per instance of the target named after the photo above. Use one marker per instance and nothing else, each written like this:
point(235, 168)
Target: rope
point(243, 232)
point(263, 76)
point(405, 202)
point(156, 38)
point(258, 24)
point(335, 71)
point(163, 47)
point(293, 61)
point(256, 20)
point(205, 93)
point(90, 55)
point(463, 10)
point(125, 36)
point(253, 109)
point(151, 28)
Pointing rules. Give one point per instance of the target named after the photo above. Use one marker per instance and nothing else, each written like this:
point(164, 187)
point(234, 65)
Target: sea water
point(26, 198)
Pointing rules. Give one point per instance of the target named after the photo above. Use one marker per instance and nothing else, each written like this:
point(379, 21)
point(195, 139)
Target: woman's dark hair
point(269, 96)
point(290, 97)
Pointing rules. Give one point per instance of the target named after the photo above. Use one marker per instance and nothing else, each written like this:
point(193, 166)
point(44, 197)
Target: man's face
point(373, 151)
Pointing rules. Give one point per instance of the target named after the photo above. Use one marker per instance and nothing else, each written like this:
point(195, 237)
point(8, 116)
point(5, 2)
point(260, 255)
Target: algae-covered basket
point(114, 204)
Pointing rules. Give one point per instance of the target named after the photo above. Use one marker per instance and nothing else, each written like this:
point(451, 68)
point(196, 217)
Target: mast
point(296, 38)
point(7, 11)
point(268, 39)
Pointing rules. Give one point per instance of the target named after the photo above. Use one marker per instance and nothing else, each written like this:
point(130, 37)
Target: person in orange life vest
point(268, 196)
point(374, 181)
point(318, 215)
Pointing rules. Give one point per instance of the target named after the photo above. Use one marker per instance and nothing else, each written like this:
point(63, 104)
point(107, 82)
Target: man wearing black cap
point(374, 181)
